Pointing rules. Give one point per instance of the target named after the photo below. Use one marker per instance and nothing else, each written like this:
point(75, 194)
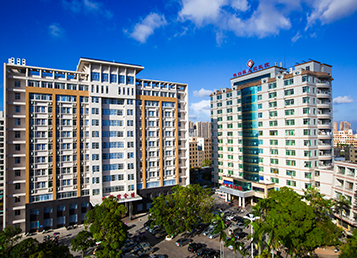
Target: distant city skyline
point(188, 41)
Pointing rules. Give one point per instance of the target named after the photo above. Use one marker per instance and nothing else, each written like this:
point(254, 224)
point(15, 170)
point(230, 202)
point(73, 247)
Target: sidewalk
point(327, 252)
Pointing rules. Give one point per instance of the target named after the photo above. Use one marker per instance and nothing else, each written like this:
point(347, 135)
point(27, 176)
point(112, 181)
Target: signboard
point(252, 68)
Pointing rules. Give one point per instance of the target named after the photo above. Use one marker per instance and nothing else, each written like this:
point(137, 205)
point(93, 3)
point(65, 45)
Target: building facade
point(203, 129)
point(74, 137)
point(345, 183)
point(2, 166)
point(343, 138)
point(345, 126)
point(272, 128)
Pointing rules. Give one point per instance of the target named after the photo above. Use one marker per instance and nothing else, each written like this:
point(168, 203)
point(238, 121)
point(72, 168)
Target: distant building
point(200, 150)
point(345, 126)
point(335, 129)
point(203, 129)
point(351, 153)
point(344, 138)
point(2, 170)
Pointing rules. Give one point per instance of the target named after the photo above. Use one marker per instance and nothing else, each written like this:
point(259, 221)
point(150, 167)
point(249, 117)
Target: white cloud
point(267, 17)
point(342, 100)
point(328, 11)
point(87, 6)
point(192, 117)
point(201, 108)
point(56, 30)
point(296, 37)
point(147, 26)
point(202, 93)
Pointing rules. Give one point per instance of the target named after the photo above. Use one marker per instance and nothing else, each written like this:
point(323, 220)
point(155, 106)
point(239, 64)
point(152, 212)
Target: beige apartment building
point(344, 138)
point(74, 137)
point(200, 150)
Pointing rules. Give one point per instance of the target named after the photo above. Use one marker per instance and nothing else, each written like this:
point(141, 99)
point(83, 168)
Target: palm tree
point(341, 204)
point(220, 227)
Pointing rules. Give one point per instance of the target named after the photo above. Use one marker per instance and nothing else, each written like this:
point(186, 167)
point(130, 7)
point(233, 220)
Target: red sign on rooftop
point(251, 69)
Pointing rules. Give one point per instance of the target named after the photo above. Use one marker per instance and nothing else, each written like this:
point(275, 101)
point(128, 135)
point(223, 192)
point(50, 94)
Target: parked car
point(160, 234)
point(200, 251)
point(193, 247)
point(237, 219)
point(183, 241)
point(144, 251)
point(212, 236)
point(147, 224)
point(200, 228)
point(30, 233)
point(140, 246)
point(240, 235)
point(207, 231)
point(241, 225)
point(234, 229)
point(208, 253)
point(129, 246)
point(157, 256)
point(151, 229)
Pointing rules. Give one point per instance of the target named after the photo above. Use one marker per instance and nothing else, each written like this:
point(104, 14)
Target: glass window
point(61, 208)
point(61, 220)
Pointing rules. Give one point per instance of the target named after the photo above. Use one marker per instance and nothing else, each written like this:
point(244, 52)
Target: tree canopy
point(349, 249)
point(291, 222)
point(106, 226)
point(82, 241)
point(181, 210)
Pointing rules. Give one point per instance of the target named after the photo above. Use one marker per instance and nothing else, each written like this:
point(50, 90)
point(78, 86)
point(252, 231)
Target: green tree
point(25, 248)
point(342, 204)
point(290, 221)
point(322, 206)
point(207, 163)
point(181, 210)
point(82, 242)
point(349, 249)
point(8, 238)
point(106, 226)
point(50, 250)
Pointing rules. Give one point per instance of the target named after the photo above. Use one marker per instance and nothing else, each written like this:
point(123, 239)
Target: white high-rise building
point(74, 137)
point(272, 128)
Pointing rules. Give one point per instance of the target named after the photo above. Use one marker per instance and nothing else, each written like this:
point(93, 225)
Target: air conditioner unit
point(83, 186)
point(75, 187)
point(74, 151)
point(58, 188)
point(32, 191)
point(32, 102)
point(58, 128)
point(58, 152)
point(32, 128)
point(32, 140)
point(50, 177)
point(50, 116)
point(50, 103)
point(50, 165)
point(82, 175)
point(50, 189)
point(32, 115)
point(50, 153)
point(50, 140)
point(75, 139)
point(32, 153)
point(75, 175)
point(32, 166)
point(32, 179)
point(58, 116)
point(74, 116)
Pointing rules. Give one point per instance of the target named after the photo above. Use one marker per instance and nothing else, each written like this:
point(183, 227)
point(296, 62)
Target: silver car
point(212, 236)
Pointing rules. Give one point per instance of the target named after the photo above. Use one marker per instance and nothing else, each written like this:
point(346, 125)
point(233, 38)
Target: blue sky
point(199, 42)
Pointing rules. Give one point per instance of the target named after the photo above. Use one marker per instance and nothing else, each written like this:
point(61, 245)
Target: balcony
point(323, 84)
point(323, 104)
point(323, 94)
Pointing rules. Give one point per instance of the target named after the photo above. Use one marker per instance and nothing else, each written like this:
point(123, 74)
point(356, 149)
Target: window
point(275, 180)
point(274, 151)
point(306, 100)
point(17, 121)
point(73, 206)
point(290, 142)
point(273, 123)
point(17, 147)
point(61, 220)
point(17, 134)
point(289, 112)
point(307, 132)
point(306, 121)
point(61, 208)
point(272, 95)
point(306, 89)
point(48, 222)
point(272, 104)
point(272, 85)
point(289, 102)
point(17, 109)
point(34, 212)
point(290, 122)
point(273, 142)
point(95, 76)
point(290, 162)
point(290, 152)
point(260, 97)
point(290, 172)
point(289, 132)
point(274, 161)
point(17, 173)
point(17, 186)
point(306, 110)
point(289, 92)
point(290, 183)
point(273, 113)
point(48, 210)
point(289, 82)
point(273, 132)
point(260, 106)
point(17, 96)
point(34, 224)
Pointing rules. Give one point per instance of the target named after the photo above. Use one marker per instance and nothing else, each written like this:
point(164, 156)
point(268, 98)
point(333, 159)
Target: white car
point(144, 251)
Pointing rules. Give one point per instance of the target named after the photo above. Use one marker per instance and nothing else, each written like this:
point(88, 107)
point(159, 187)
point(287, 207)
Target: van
point(234, 229)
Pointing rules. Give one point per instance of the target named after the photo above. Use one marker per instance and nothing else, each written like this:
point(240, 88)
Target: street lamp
point(251, 218)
